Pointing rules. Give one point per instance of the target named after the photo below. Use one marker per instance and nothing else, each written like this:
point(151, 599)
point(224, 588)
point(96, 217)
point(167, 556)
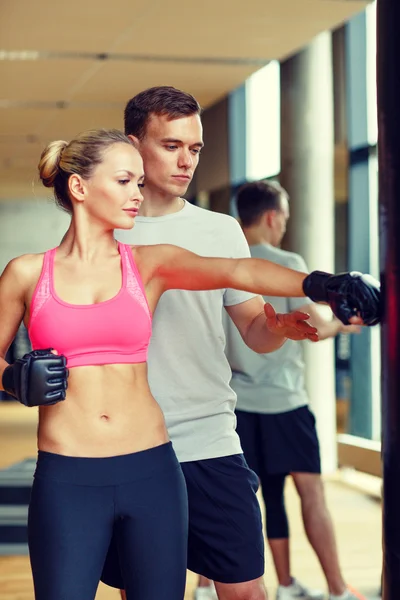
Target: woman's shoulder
point(150, 258)
point(146, 252)
point(156, 251)
point(25, 268)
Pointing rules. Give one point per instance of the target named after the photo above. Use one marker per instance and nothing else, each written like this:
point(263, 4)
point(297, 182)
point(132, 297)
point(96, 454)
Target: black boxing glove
point(348, 295)
point(39, 378)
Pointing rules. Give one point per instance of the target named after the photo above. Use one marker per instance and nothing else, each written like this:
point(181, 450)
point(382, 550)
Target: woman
point(104, 458)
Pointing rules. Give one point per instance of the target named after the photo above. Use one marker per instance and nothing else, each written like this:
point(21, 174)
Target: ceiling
point(70, 66)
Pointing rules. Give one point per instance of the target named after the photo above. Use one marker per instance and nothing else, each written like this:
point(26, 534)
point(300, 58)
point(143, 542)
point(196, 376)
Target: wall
point(29, 226)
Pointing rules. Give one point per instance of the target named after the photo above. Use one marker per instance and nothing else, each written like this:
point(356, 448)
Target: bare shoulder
point(24, 269)
point(151, 259)
point(156, 253)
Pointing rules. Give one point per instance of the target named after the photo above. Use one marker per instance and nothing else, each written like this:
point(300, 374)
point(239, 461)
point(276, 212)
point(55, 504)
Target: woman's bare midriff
point(108, 411)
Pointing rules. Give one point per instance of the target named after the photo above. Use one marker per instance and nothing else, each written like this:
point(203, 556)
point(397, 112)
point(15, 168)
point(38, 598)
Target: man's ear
point(135, 141)
point(269, 217)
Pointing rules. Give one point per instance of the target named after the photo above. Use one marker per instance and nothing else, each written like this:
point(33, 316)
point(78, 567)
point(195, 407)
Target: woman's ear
point(76, 187)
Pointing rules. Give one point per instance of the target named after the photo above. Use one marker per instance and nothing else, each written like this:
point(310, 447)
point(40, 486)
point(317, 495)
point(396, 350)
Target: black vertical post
point(388, 65)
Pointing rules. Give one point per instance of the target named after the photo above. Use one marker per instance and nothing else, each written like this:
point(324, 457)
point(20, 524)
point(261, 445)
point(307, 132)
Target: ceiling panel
point(124, 80)
point(16, 122)
point(90, 26)
point(210, 28)
point(65, 124)
point(252, 29)
point(49, 80)
point(19, 148)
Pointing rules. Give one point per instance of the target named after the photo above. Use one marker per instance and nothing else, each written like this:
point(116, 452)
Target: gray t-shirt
point(273, 382)
point(188, 371)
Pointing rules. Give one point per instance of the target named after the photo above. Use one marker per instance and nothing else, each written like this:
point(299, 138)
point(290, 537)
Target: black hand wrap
point(348, 294)
point(37, 379)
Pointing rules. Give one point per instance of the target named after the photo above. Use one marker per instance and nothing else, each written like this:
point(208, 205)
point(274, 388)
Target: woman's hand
point(39, 378)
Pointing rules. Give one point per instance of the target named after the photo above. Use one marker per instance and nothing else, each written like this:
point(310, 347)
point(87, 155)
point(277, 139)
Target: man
point(188, 371)
point(275, 426)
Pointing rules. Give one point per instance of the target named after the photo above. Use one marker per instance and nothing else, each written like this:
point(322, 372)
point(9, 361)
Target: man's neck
point(255, 236)
point(158, 205)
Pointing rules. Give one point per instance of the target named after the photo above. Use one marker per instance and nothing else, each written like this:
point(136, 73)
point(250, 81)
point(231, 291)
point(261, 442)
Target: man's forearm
point(260, 339)
point(329, 329)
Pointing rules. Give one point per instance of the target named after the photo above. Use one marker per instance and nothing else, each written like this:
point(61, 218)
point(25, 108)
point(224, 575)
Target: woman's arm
point(353, 297)
point(13, 286)
point(180, 269)
point(39, 377)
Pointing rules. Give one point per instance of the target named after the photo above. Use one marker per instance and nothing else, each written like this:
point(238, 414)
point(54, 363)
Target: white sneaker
point(351, 594)
point(205, 593)
point(299, 591)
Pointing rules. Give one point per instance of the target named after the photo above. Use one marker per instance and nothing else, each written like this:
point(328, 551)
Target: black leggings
point(77, 504)
point(272, 487)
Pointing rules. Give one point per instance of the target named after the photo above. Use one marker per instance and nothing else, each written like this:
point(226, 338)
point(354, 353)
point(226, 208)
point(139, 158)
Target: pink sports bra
point(111, 332)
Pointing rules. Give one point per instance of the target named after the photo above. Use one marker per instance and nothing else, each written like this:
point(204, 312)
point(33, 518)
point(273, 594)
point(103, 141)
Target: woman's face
point(112, 195)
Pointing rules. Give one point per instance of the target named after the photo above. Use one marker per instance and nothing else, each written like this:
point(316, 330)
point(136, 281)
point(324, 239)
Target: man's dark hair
point(161, 100)
point(256, 198)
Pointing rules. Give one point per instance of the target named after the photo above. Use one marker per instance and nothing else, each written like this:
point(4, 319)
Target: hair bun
point(49, 164)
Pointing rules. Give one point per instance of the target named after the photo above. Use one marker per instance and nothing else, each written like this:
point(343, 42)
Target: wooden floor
point(357, 519)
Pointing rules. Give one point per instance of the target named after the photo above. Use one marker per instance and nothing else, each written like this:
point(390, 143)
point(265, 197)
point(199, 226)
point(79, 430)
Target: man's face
point(170, 152)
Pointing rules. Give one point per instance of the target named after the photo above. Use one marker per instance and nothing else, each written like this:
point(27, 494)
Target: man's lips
point(182, 177)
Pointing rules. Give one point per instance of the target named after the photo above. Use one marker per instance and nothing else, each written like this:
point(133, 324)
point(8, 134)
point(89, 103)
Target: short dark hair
point(256, 198)
point(161, 100)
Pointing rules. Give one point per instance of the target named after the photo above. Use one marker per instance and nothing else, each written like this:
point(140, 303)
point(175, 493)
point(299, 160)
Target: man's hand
point(350, 328)
point(291, 325)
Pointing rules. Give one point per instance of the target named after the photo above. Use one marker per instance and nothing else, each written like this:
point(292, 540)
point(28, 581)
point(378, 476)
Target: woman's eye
point(124, 181)
point(141, 185)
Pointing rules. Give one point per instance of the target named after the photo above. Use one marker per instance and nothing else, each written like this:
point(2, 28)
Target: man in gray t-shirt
point(275, 425)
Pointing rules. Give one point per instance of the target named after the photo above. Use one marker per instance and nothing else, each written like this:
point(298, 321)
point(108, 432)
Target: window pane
point(263, 122)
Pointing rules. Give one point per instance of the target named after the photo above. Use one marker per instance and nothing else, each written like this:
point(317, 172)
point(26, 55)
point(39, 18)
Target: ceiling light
point(19, 55)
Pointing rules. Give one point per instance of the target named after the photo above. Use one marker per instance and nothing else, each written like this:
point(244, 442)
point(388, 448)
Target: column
point(307, 129)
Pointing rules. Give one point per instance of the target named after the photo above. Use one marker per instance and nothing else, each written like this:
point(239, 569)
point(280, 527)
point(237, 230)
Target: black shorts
point(225, 529)
point(280, 443)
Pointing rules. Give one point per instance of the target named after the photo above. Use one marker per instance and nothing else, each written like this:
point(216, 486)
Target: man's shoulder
point(209, 215)
point(283, 257)
point(225, 224)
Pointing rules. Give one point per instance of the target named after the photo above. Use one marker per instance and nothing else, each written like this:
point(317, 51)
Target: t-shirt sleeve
point(240, 249)
point(297, 263)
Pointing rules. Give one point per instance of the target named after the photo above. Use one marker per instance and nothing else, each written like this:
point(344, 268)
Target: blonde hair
point(60, 159)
